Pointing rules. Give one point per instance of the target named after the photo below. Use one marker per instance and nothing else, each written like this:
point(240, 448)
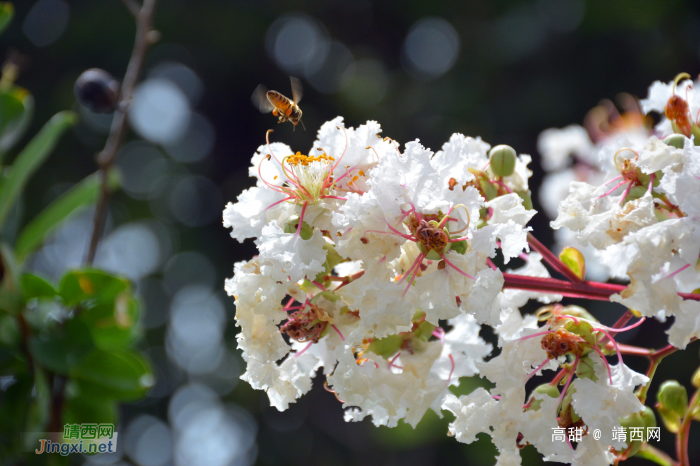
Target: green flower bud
point(696, 378)
point(649, 417)
point(675, 140)
point(634, 420)
point(673, 397)
point(526, 196)
point(503, 160)
point(291, 225)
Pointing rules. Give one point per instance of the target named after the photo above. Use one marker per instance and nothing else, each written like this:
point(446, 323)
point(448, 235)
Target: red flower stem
point(550, 258)
point(629, 349)
point(583, 289)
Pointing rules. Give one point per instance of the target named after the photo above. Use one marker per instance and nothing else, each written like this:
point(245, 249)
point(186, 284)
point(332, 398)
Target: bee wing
point(260, 99)
point(297, 89)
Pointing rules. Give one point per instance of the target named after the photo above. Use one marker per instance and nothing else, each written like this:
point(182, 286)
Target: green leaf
point(39, 409)
point(574, 260)
point(16, 110)
point(64, 348)
point(82, 194)
point(113, 323)
point(34, 286)
point(7, 11)
point(30, 159)
point(119, 375)
point(90, 284)
point(81, 409)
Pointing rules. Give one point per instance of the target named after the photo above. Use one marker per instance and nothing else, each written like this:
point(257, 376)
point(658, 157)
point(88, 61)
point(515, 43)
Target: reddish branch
point(550, 258)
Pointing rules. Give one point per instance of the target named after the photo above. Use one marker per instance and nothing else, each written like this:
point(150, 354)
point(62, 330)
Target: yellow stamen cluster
point(301, 159)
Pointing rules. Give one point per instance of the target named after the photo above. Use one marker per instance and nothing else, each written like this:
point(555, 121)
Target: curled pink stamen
point(651, 182)
point(607, 366)
point(449, 377)
point(439, 333)
point(619, 355)
point(570, 317)
point(624, 329)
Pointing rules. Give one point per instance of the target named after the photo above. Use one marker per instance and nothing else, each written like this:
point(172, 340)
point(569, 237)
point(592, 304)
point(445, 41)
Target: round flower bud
point(649, 417)
point(696, 378)
point(635, 420)
point(675, 140)
point(97, 90)
point(673, 397)
point(502, 160)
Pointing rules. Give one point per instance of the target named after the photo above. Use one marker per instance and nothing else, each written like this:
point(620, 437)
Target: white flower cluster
point(375, 264)
point(643, 218)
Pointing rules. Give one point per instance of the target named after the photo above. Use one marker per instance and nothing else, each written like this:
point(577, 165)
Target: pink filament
point(568, 381)
point(449, 378)
point(391, 362)
point(301, 220)
point(529, 376)
point(456, 268)
point(439, 332)
point(340, 334)
point(335, 197)
point(651, 183)
point(278, 202)
point(612, 190)
point(500, 183)
point(534, 335)
point(614, 179)
point(318, 285)
point(570, 317)
point(299, 353)
point(676, 272)
point(629, 187)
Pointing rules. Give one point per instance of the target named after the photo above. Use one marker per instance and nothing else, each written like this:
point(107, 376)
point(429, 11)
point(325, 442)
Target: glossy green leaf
point(113, 323)
point(574, 260)
point(30, 159)
point(7, 11)
point(63, 348)
point(34, 286)
point(119, 375)
point(16, 111)
point(80, 195)
point(90, 284)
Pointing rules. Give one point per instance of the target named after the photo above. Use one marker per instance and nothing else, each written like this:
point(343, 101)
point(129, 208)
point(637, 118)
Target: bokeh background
point(504, 70)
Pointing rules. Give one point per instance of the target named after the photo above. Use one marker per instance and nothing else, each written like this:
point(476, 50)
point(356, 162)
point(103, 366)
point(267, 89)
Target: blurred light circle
point(561, 15)
point(297, 43)
point(132, 250)
point(187, 401)
point(368, 85)
point(213, 438)
point(144, 168)
point(46, 22)
point(196, 201)
point(160, 111)
point(196, 143)
point(148, 441)
point(337, 70)
point(224, 377)
point(189, 268)
point(431, 48)
point(182, 76)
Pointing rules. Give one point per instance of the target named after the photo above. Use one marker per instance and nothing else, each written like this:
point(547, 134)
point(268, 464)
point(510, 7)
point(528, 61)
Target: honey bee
point(279, 105)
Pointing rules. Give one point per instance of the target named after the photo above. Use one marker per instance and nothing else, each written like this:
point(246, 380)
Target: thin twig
point(133, 7)
point(550, 258)
point(106, 157)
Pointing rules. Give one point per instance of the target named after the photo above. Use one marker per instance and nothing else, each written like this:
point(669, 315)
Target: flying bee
point(279, 105)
